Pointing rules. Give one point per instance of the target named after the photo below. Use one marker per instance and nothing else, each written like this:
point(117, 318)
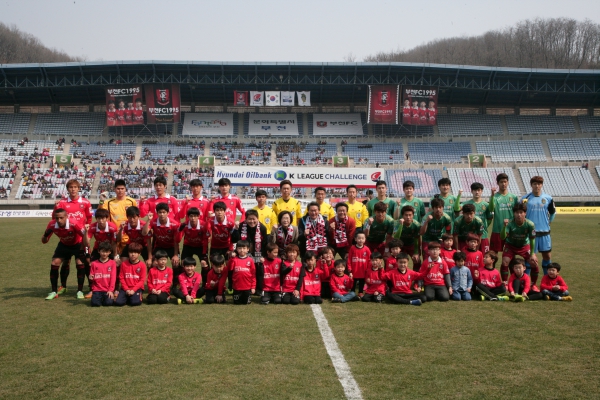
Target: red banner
point(124, 106)
point(163, 103)
point(383, 105)
point(419, 105)
point(240, 98)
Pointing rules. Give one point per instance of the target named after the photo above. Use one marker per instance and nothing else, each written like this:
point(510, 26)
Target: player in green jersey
point(381, 188)
point(408, 230)
point(520, 239)
point(409, 199)
point(501, 204)
point(451, 202)
point(465, 224)
point(482, 210)
point(435, 224)
point(379, 229)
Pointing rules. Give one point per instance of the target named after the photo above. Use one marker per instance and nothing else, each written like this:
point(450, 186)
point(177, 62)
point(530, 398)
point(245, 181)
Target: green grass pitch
point(65, 349)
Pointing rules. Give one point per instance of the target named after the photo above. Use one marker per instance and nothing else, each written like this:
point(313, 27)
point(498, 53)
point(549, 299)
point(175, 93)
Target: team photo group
point(377, 250)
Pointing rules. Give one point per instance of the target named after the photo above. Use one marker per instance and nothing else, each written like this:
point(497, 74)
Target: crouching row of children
point(316, 278)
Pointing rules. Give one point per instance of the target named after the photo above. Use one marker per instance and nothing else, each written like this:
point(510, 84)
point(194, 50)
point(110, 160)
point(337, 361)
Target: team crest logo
point(109, 269)
point(297, 269)
point(322, 124)
point(358, 215)
point(231, 203)
point(416, 204)
point(137, 270)
point(276, 266)
point(316, 276)
point(247, 263)
point(81, 206)
point(163, 96)
point(451, 201)
point(268, 220)
point(483, 208)
point(543, 201)
point(166, 275)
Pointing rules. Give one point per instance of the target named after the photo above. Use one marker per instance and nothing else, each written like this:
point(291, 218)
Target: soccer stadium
point(298, 121)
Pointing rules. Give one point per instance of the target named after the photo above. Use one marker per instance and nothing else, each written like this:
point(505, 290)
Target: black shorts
point(190, 251)
point(65, 252)
point(125, 252)
point(96, 255)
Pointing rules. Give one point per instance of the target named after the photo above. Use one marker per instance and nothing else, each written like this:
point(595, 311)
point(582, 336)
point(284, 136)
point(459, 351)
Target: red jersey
point(138, 116)
point(111, 118)
point(434, 272)
point(403, 282)
point(474, 260)
point(160, 279)
point(216, 281)
point(132, 276)
point(447, 255)
point(120, 113)
point(489, 278)
point(391, 263)
point(422, 116)
point(104, 275)
point(134, 234)
point(232, 203)
point(324, 265)
point(341, 284)
point(79, 209)
point(406, 114)
point(272, 282)
point(525, 282)
point(108, 234)
point(548, 283)
point(375, 281)
point(358, 261)
point(291, 280)
point(189, 285)
point(311, 283)
point(221, 233)
point(165, 236)
point(129, 116)
point(414, 115)
point(70, 235)
point(149, 205)
point(194, 236)
point(201, 203)
point(431, 116)
point(244, 273)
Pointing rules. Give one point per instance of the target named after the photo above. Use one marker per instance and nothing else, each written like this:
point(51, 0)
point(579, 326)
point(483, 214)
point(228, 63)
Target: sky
point(301, 31)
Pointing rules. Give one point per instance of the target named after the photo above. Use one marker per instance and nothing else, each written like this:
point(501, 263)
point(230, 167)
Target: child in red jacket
point(190, 290)
point(103, 274)
point(242, 270)
point(311, 283)
point(341, 284)
point(132, 276)
point(401, 281)
point(553, 285)
point(214, 289)
point(375, 279)
point(271, 276)
point(160, 279)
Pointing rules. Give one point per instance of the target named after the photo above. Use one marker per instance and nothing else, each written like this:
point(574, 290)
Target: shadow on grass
point(10, 293)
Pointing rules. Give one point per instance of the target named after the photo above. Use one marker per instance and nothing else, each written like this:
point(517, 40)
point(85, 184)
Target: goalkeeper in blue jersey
point(541, 211)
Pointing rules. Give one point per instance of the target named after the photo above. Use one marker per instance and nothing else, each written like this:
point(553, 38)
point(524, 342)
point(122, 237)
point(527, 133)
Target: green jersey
point(436, 227)
point(449, 204)
point(503, 205)
point(408, 234)
point(390, 209)
point(378, 231)
point(415, 203)
point(462, 228)
point(518, 236)
point(482, 210)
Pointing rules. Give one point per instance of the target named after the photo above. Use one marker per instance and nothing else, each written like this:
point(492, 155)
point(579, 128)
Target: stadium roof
point(209, 83)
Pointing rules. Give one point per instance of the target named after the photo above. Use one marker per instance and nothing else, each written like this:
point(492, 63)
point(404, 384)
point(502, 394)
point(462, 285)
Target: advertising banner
point(300, 177)
point(272, 98)
point(303, 99)
point(578, 210)
point(163, 103)
point(337, 124)
point(124, 106)
point(383, 105)
point(419, 105)
point(240, 98)
point(273, 124)
point(26, 214)
point(287, 99)
point(208, 124)
point(257, 99)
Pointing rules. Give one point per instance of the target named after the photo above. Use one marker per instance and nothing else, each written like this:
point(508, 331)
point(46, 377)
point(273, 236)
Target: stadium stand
point(589, 124)
point(469, 125)
point(425, 181)
point(291, 153)
point(141, 130)
point(103, 152)
point(36, 151)
point(439, 153)
point(512, 150)
point(462, 178)
point(382, 153)
point(17, 124)
point(402, 130)
point(170, 154)
point(598, 171)
point(338, 130)
point(253, 153)
point(538, 124)
point(7, 179)
point(41, 183)
point(138, 179)
point(574, 149)
point(70, 124)
point(182, 177)
point(563, 181)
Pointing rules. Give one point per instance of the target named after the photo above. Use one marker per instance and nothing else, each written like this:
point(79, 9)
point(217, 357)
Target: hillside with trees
point(20, 47)
point(539, 43)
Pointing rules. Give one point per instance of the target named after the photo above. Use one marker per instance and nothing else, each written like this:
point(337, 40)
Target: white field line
point(342, 368)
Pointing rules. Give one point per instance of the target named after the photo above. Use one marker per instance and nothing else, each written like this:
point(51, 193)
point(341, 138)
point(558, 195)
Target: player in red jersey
point(243, 274)
point(437, 275)
point(423, 114)
point(138, 113)
point(232, 202)
point(554, 286)
point(358, 261)
point(149, 204)
point(431, 113)
point(195, 237)
point(447, 251)
point(255, 233)
point(111, 115)
point(132, 276)
point(190, 290)
point(487, 280)
point(120, 113)
point(474, 257)
point(165, 236)
point(311, 281)
point(271, 277)
point(129, 113)
point(375, 280)
point(102, 231)
point(406, 112)
point(401, 281)
point(414, 113)
point(325, 262)
point(292, 275)
point(220, 228)
point(103, 275)
point(214, 289)
point(197, 200)
point(395, 248)
point(133, 229)
point(73, 241)
point(341, 284)
point(160, 280)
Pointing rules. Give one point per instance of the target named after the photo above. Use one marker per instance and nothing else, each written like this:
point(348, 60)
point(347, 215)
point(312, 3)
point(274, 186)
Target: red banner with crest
point(163, 103)
point(383, 105)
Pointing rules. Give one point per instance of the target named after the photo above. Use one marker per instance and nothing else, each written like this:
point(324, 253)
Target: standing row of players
point(213, 222)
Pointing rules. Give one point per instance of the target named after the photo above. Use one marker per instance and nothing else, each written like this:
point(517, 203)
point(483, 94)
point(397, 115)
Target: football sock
point(545, 264)
point(64, 274)
point(504, 273)
point(80, 277)
point(54, 277)
point(528, 268)
point(87, 274)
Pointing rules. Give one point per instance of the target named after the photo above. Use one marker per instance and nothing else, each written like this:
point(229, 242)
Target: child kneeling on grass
point(190, 290)
point(519, 284)
point(553, 285)
point(341, 284)
point(103, 274)
point(132, 276)
point(489, 284)
point(160, 279)
point(401, 281)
